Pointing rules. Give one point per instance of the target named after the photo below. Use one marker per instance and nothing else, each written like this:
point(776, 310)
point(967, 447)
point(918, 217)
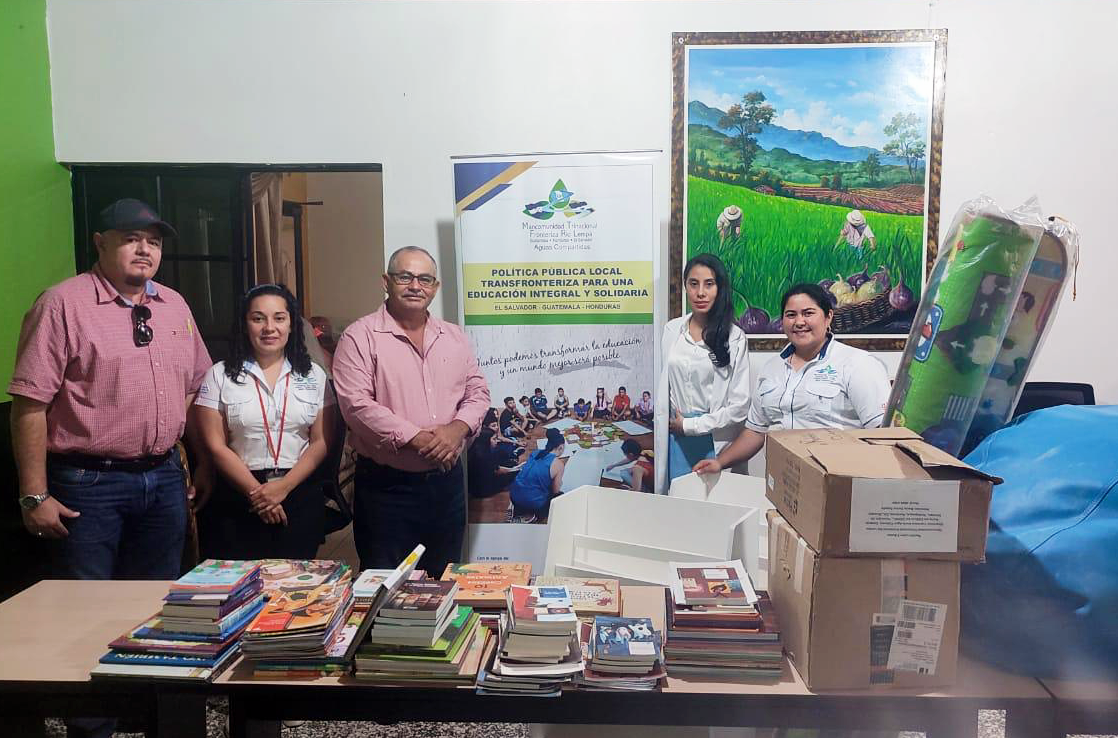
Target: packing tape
point(798, 577)
point(894, 585)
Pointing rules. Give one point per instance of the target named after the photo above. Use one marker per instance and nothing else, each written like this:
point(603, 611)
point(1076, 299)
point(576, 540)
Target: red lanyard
point(273, 450)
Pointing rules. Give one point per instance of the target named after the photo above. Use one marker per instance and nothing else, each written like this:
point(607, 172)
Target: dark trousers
point(132, 526)
point(229, 529)
point(394, 510)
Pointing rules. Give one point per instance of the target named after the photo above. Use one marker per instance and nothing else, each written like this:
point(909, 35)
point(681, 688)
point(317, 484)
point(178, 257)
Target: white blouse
point(239, 405)
point(717, 398)
point(842, 387)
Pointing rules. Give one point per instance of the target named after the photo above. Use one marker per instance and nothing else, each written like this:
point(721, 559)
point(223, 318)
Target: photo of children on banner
point(540, 411)
point(562, 404)
point(511, 423)
point(610, 447)
point(601, 404)
point(526, 415)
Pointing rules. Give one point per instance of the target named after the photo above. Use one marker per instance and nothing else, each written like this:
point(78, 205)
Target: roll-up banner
point(557, 257)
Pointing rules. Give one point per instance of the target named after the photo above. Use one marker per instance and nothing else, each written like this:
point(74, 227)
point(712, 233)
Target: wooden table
point(51, 636)
point(255, 705)
point(1089, 708)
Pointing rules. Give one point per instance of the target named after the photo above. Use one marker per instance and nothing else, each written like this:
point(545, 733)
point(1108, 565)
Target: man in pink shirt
point(411, 392)
point(107, 364)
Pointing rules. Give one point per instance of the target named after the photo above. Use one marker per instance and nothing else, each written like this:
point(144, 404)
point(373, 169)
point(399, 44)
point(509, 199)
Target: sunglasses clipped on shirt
point(405, 278)
point(141, 331)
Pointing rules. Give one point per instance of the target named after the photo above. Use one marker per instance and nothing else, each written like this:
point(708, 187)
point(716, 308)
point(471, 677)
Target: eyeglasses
point(405, 278)
point(141, 331)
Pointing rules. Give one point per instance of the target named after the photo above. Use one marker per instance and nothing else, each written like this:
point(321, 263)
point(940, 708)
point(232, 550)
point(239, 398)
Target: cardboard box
point(854, 623)
point(878, 492)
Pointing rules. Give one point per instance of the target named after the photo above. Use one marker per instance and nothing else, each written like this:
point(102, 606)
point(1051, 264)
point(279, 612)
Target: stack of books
point(374, 587)
point(538, 650)
point(196, 635)
point(484, 586)
point(622, 653)
point(452, 660)
point(591, 597)
point(719, 627)
point(299, 630)
point(417, 615)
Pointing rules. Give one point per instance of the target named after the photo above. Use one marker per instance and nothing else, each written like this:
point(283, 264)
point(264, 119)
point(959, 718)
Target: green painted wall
point(36, 215)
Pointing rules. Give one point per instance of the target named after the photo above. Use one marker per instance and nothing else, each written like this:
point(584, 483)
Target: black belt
point(103, 463)
point(366, 464)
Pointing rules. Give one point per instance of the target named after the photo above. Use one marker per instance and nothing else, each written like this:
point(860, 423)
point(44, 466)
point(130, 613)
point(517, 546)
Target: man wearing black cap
point(108, 364)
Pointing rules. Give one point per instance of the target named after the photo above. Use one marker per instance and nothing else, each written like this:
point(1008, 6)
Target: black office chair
point(1037, 395)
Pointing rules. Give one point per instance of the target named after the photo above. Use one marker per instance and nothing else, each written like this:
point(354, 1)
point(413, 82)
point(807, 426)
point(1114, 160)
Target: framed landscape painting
point(810, 157)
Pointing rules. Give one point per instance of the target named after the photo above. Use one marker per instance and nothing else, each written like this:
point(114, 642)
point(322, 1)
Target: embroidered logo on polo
point(826, 375)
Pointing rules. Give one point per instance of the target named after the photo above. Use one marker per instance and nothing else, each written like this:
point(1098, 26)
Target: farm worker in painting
point(815, 382)
point(856, 231)
point(729, 223)
point(704, 384)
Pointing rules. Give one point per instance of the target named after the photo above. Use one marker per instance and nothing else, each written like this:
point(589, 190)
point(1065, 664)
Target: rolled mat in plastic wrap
point(962, 320)
point(1032, 317)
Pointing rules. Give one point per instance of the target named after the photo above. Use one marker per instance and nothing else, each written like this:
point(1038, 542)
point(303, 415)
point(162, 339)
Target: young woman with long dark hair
point(704, 380)
point(261, 415)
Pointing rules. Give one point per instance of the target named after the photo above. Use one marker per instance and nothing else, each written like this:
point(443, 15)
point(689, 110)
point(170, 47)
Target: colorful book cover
point(426, 596)
point(159, 641)
point(484, 585)
point(115, 657)
point(288, 575)
point(712, 583)
point(216, 575)
point(298, 610)
point(624, 639)
point(541, 605)
point(589, 596)
point(227, 624)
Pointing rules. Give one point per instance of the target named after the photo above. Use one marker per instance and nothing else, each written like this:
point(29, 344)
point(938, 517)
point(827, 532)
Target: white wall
point(345, 245)
point(1030, 108)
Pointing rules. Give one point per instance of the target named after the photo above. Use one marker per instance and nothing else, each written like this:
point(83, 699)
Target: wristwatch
point(30, 502)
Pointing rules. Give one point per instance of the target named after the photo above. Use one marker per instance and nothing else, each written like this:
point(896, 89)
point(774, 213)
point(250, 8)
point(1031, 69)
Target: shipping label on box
point(878, 492)
point(899, 515)
point(851, 623)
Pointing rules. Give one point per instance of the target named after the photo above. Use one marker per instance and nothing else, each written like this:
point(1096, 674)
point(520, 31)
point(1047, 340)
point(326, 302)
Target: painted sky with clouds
point(846, 92)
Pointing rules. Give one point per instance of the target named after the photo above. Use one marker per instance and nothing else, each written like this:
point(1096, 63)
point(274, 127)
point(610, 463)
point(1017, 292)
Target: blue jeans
point(394, 510)
point(132, 524)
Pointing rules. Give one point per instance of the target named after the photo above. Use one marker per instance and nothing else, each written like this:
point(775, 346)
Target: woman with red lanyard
point(261, 416)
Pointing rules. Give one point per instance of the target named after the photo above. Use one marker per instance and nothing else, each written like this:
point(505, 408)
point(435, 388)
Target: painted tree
point(906, 140)
point(746, 119)
point(871, 166)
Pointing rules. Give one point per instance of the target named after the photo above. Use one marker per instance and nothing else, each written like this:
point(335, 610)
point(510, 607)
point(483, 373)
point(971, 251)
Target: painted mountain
point(808, 144)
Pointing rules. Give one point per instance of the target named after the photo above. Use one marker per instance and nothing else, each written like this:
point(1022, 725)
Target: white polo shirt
point(239, 404)
point(842, 387)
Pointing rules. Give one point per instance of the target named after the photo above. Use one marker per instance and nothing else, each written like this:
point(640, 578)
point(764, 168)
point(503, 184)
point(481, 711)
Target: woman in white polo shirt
point(815, 382)
point(704, 379)
point(261, 416)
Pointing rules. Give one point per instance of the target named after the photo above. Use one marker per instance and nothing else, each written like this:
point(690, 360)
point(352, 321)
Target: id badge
point(273, 474)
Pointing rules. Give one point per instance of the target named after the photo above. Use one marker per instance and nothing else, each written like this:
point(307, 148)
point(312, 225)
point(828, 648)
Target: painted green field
point(785, 241)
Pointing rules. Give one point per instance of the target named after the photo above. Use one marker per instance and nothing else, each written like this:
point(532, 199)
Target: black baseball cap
point(130, 214)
